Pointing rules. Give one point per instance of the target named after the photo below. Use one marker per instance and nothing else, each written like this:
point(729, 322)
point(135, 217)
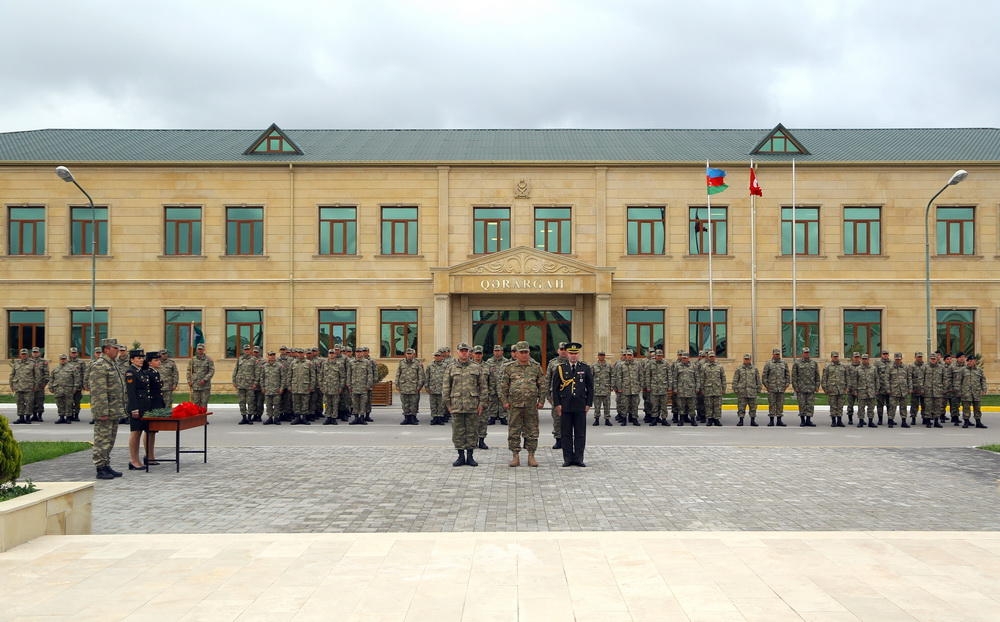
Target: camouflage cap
point(348, 349)
point(36, 349)
point(775, 350)
point(410, 351)
point(477, 349)
point(24, 351)
point(109, 342)
point(201, 346)
point(272, 353)
point(246, 346)
point(462, 346)
point(747, 356)
point(864, 356)
point(256, 348)
point(522, 346)
point(283, 348)
point(73, 351)
point(681, 352)
point(835, 355)
point(658, 352)
point(123, 348)
point(855, 354)
point(918, 354)
point(63, 356)
point(337, 346)
point(562, 345)
point(498, 348)
point(629, 353)
point(805, 350)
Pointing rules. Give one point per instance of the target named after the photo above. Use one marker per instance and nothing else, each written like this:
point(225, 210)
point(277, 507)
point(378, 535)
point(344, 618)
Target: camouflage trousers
point(881, 403)
point(64, 405)
point(686, 406)
point(713, 406)
point(918, 405)
point(482, 425)
point(934, 407)
point(745, 403)
point(411, 403)
point(359, 403)
point(602, 402)
point(494, 408)
point(437, 405)
point(315, 402)
point(628, 405)
point(836, 404)
point(659, 403)
point(972, 408)
point(866, 407)
point(39, 402)
point(522, 424)
point(775, 403)
point(332, 401)
point(168, 400)
point(300, 403)
point(25, 402)
point(852, 400)
point(200, 397)
point(954, 404)
point(272, 403)
point(807, 402)
point(556, 424)
point(77, 398)
point(258, 403)
point(105, 431)
point(897, 402)
point(464, 430)
point(246, 401)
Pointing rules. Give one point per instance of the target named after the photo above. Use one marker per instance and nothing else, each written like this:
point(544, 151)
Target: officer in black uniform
point(573, 395)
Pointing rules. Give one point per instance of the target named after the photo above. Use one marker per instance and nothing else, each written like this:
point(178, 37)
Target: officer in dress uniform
point(572, 392)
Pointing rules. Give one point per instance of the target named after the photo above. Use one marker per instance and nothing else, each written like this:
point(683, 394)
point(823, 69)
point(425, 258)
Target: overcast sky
point(516, 64)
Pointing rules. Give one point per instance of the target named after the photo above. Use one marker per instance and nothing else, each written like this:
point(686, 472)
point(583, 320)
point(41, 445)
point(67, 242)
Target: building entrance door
point(543, 330)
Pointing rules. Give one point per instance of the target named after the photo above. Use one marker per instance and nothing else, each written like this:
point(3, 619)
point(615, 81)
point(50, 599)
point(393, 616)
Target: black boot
point(634, 420)
point(892, 422)
point(913, 419)
point(850, 418)
point(937, 424)
point(243, 421)
point(871, 423)
point(770, 421)
point(368, 419)
point(927, 422)
point(469, 460)
point(780, 423)
point(102, 473)
point(753, 421)
point(62, 419)
point(739, 424)
point(405, 421)
point(880, 419)
point(861, 421)
point(503, 420)
point(607, 422)
point(481, 445)
point(980, 424)
point(255, 418)
point(904, 424)
point(802, 421)
point(356, 420)
point(269, 421)
point(665, 422)
point(491, 421)
point(558, 444)
point(597, 421)
point(654, 420)
point(330, 421)
point(301, 420)
point(461, 459)
point(966, 424)
point(833, 421)
point(809, 422)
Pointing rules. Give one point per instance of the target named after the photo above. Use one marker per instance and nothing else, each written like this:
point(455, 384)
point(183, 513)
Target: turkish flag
point(754, 186)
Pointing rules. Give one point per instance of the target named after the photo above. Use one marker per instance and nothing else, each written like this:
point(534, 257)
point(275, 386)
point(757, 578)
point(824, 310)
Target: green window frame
point(244, 231)
point(806, 332)
point(806, 230)
point(553, 229)
point(400, 229)
point(337, 327)
point(182, 331)
point(862, 230)
point(82, 222)
point(698, 230)
point(338, 230)
point(956, 331)
point(25, 329)
point(182, 230)
point(243, 327)
point(700, 334)
point(26, 230)
point(490, 229)
point(81, 332)
point(646, 230)
point(956, 230)
point(644, 330)
point(862, 331)
point(398, 330)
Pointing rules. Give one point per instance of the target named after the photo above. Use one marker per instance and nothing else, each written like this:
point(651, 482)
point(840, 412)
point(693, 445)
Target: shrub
point(10, 454)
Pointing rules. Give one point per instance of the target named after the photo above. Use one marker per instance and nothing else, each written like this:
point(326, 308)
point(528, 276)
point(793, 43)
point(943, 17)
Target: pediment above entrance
point(522, 260)
point(524, 269)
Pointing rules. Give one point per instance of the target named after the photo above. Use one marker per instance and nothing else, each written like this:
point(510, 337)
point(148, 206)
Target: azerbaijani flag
point(716, 180)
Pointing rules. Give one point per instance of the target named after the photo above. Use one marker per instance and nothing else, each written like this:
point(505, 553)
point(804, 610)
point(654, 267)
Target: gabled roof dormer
point(273, 141)
point(780, 140)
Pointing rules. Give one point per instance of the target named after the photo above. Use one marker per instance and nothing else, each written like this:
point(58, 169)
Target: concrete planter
point(56, 508)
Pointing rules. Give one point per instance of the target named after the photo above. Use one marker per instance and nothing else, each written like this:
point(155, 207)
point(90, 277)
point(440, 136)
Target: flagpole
point(795, 333)
point(753, 270)
point(711, 296)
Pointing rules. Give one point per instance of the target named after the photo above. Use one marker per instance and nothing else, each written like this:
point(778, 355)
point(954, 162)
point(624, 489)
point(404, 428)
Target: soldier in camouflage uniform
point(258, 394)
point(62, 382)
point(285, 357)
point(245, 381)
point(686, 386)
point(523, 390)
point(361, 380)
point(316, 396)
point(301, 382)
point(170, 377)
point(331, 379)
point(699, 400)
point(24, 377)
point(628, 388)
point(96, 356)
point(882, 398)
point(897, 381)
point(107, 405)
point(835, 381)
point(272, 377)
point(674, 407)
point(918, 380)
point(410, 378)
point(464, 391)
point(78, 367)
point(602, 389)
point(38, 397)
point(775, 379)
point(866, 388)
point(972, 389)
point(482, 429)
point(549, 370)
point(852, 398)
point(200, 370)
point(713, 387)
point(494, 410)
point(805, 382)
point(956, 369)
point(746, 386)
point(656, 382)
point(366, 353)
point(435, 383)
point(934, 392)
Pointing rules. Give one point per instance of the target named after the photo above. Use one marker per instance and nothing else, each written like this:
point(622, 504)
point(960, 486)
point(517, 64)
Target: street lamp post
point(956, 178)
point(65, 174)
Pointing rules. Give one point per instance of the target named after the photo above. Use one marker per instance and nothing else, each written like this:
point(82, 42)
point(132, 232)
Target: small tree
point(10, 455)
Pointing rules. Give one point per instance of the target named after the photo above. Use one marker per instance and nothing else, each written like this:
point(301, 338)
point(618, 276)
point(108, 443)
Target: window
point(956, 331)
point(779, 140)
point(337, 327)
point(806, 332)
point(698, 231)
point(27, 230)
point(243, 327)
point(338, 230)
point(956, 228)
point(399, 230)
point(182, 230)
point(806, 230)
point(862, 230)
point(244, 230)
point(182, 331)
point(700, 333)
point(643, 330)
point(81, 334)
point(490, 229)
point(399, 332)
point(552, 229)
point(82, 223)
point(646, 230)
point(862, 331)
point(25, 329)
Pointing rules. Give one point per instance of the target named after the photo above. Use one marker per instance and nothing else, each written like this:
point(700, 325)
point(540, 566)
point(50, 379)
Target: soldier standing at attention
point(245, 381)
point(272, 378)
point(315, 396)
point(170, 377)
point(481, 425)
point(628, 389)
point(258, 394)
point(361, 380)
point(366, 353)
point(852, 396)
point(77, 364)
point(835, 386)
point(713, 387)
point(23, 380)
point(918, 381)
point(522, 391)
point(464, 392)
point(200, 370)
point(805, 381)
point(556, 425)
point(330, 380)
point(62, 382)
point(38, 398)
point(602, 389)
point(494, 410)
point(775, 378)
point(674, 408)
point(882, 398)
point(955, 400)
point(866, 386)
point(572, 395)
point(410, 378)
point(746, 386)
point(897, 380)
point(934, 392)
point(972, 389)
point(107, 405)
point(86, 375)
point(435, 382)
point(657, 384)
point(686, 387)
point(301, 381)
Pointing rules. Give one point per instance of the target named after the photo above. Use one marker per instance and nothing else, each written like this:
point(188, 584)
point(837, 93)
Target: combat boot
point(330, 421)
point(654, 420)
point(665, 422)
point(781, 424)
point(693, 421)
point(482, 445)
point(850, 418)
point(954, 419)
point(62, 419)
point(597, 421)
point(904, 424)
point(461, 459)
point(809, 422)
point(880, 419)
point(356, 420)
point(469, 460)
point(739, 424)
point(871, 423)
point(301, 421)
point(531, 459)
point(770, 421)
point(503, 420)
point(634, 420)
point(607, 422)
point(243, 421)
point(405, 421)
point(927, 422)
point(802, 421)
point(913, 419)
point(966, 424)
point(980, 424)
point(753, 421)
point(516, 460)
point(255, 418)
point(102, 473)
point(558, 444)
point(269, 421)
point(861, 421)
point(491, 421)
point(892, 422)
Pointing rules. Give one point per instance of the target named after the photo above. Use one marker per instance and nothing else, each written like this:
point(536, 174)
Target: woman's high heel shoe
point(132, 467)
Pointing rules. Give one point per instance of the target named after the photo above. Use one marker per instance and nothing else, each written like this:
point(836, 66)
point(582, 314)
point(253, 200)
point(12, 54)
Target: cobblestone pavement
point(415, 489)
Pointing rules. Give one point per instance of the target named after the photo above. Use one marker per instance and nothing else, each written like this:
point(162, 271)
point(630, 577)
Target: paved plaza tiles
point(766, 524)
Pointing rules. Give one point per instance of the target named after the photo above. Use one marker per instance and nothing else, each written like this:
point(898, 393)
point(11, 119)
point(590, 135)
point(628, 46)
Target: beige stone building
point(425, 238)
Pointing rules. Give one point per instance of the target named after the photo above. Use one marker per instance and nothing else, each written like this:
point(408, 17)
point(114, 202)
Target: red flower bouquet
point(187, 409)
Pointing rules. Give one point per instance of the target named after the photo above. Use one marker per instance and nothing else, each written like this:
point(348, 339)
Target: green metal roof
point(66, 146)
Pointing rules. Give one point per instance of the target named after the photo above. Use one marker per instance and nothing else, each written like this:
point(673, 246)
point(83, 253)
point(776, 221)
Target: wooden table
point(166, 424)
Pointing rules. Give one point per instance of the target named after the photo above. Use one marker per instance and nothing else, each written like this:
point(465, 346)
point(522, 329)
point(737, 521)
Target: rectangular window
point(398, 331)
point(26, 232)
point(244, 231)
point(182, 331)
point(81, 334)
point(399, 230)
point(806, 332)
point(646, 230)
point(699, 227)
point(862, 332)
point(552, 229)
point(337, 327)
point(644, 330)
point(182, 231)
point(956, 331)
point(806, 222)
point(25, 329)
point(338, 230)
point(243, 327)
point(862, 230)
point(83, 220)
point(701, 335)
point(956, 228)
point(490, 229)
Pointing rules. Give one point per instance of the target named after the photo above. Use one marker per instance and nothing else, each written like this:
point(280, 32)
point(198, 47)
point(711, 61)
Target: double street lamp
point(65, 175)
point(956, 178)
